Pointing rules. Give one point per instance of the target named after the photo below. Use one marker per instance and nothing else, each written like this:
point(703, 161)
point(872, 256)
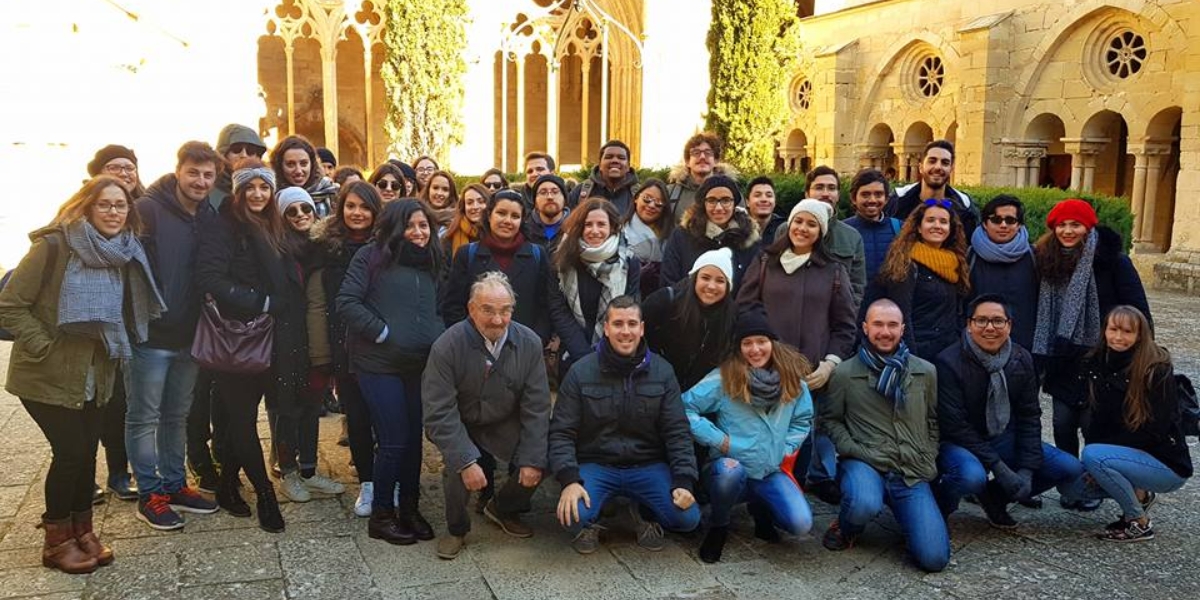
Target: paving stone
point(252, 590)
point(146, 577)
point(27, 581)
point(232, 564)
point(671, 571)
point(320, 568)
point(396, 567)
point(474, 588)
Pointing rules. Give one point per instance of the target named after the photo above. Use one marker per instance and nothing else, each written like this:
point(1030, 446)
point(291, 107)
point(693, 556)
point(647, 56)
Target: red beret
point(1072, 209)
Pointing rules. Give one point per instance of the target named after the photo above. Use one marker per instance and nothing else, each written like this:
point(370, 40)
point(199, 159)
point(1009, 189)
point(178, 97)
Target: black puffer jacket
point(932, 309)
point(693, 352)
point(688, 242)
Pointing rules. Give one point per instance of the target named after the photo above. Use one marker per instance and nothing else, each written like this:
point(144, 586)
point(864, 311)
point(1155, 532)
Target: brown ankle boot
point(61, 550)
point(88, 540)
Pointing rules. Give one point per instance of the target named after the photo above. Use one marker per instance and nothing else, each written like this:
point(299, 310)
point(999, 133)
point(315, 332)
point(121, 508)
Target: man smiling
point(612, 179)
point(937, 165)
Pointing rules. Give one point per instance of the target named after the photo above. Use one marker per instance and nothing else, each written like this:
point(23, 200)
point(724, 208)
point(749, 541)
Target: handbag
point(231, 346)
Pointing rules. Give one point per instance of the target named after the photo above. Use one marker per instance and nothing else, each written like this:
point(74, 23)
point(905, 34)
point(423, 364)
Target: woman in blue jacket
point(761, 413)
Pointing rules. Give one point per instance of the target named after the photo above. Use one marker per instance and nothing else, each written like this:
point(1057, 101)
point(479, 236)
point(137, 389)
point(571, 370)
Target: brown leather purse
point(230, 346)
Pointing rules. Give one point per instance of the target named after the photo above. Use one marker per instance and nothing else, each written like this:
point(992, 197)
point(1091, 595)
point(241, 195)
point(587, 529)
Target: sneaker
point(1034, 502)
point(649, 533)
point(996, 511)
point(98, 496)
point(587, 540)
point(1080, 505)
point(293, 487)
point(323, 485)
point(189, 500)
point(449, 546)
point(366, 496)
point(511, 524)
point(1149, 500)
point(1132, 532)
point(837, 540)
point(207, 480)
point(155, 510)
point(121, 486)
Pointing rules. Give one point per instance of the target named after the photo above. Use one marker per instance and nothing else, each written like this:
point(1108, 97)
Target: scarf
point(607, 264)
point(643, 242)
point(1007, 253)
point(443, 216)
point(713, 231)
point(464, 234)
point(892, 370)
point(999, 410)
point(764, 388)
point(91, 302)
point(612, 363)
point(939, 260)
point(1069, 312)
point(792, 261)
point(417, 257)
point(503, 252)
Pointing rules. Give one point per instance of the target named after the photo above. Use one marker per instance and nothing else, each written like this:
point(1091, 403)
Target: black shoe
point(837, 540)
point(384, 525)
point(764, 524)
point(230, 500)
point(270, 519)
point(1034, 502)
point(827, 491)
point(207, 480)
point(122, 487)
point(1080, 505)
point(996, 508)
point(713, 544)
point(408, 515)
point(98, 496)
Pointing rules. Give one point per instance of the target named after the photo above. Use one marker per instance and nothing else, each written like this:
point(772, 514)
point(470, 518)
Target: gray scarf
point(764, 388)
point(93, 291)
point(999, 410)
point(1069, 311)
point(608, 265)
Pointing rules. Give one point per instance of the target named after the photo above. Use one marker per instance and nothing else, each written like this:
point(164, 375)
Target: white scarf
point(607, 264)
point(792, 261)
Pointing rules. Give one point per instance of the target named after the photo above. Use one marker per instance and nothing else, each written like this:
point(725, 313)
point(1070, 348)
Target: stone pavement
point(326, 553)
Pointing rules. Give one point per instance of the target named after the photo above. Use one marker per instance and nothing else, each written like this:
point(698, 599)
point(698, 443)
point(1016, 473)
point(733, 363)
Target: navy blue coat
point(1018, 283)
point(877, 238)
point(932, 309)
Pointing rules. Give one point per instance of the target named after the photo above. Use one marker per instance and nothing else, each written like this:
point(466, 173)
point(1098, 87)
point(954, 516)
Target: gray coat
point(504, 409)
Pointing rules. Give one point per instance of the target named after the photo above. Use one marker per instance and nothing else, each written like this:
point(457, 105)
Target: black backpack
point(7, 335)
point(1188, 405)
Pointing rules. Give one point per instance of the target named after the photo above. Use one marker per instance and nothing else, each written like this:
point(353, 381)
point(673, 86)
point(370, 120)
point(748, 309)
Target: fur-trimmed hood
point(744, 236)
point(679, 174)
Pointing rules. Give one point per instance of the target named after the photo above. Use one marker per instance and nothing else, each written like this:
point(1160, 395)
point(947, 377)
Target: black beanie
point(555, 179)
point(716, 181)
point(326, 155)
point(106, 154)
point(752, 321)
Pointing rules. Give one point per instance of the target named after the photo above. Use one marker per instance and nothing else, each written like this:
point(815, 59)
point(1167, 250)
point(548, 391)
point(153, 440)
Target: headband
point(243, 176)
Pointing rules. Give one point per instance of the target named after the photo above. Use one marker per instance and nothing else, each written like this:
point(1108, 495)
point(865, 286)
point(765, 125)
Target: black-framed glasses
point(390, 184)
point(724, 202)
point(119, 169)
point(699, 152)
point(106, 207)
point(998, 220)
point(652, 201)
point(296, 210)
point(983, 322)
point(495, 185)
point(946, 204)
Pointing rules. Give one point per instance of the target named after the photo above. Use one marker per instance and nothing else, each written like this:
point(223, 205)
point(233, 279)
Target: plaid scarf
point(891, 369)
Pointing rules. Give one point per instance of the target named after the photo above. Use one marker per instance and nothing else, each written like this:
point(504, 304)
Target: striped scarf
point(891, 369)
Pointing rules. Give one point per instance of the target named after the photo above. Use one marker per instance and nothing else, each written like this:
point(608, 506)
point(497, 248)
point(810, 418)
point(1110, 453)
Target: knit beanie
point(721, 258)
point(106, 154)
point(292, 195)
point(716, 181)
point(326, 156)
point(555, 179)
point(510, 195)
point(816, 208)
point(752, 321)
point(238, 134)
point(1072, 209)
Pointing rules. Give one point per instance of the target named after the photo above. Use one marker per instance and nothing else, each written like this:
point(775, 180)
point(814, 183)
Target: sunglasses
point(495, 185)
point(651, 201)
point(946, 204)
point(388, 184)
point(247, 149)
point(998, 220)
point(296, 210)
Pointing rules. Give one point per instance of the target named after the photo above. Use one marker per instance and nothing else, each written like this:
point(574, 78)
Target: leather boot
point(61, 550)
point(383, 525)
point(88, 540)
point(269, 517)
point(228, 497)
point(408, 515)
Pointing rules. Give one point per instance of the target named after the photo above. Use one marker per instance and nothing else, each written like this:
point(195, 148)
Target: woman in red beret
point(1084, 274)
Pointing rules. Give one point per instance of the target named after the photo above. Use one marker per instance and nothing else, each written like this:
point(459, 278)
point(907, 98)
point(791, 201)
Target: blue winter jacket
point(877, 237)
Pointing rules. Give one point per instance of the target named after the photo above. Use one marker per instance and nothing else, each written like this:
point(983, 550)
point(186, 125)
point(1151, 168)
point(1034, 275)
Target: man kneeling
point(619, 429)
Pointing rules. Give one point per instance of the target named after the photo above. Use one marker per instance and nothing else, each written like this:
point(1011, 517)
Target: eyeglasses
point(426, 169)
point(983, 322)
point(491, 311)
point(997, 220)
point(389, 184)
point(946, 204)
point(106, 207)
point(653, 201)
point(722, 202)
point(119, 169)
point(550, 192)
point(296, 210)
point(699, 152)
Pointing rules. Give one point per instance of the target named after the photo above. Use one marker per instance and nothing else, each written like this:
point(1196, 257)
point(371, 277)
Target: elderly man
point(991, 421)
point(485, 395)
point(619, 429)
point(880, 410)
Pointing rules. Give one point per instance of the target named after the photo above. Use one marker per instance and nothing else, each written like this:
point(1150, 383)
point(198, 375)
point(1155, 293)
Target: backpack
point(1188, 405)
point(7, 335)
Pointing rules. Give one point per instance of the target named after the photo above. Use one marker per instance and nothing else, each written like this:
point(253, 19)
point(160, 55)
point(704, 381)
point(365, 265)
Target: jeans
point(358, 427)
point(819, 456)
point(112, 435)
point(963, 474)
point(512, 497)
point(649, 486)
point(1068, 419)
point(238, 405)
point(159, 383)
point(395, 405)
point(864, 493)
point(777, 493)
point(295, 425)
point(74, 436)
point(205, 424)
point(1117, 471)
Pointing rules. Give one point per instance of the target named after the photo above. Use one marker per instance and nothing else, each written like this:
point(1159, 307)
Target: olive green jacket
point(866, 426)
point(46, 365)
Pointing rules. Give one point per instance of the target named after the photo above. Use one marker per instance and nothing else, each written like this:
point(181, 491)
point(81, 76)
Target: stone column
point(521, 106)
point(1022, 158)
point(586, 69)
point(1083, 153)
point(291, 86)
point(329, 94)
point(552, 107)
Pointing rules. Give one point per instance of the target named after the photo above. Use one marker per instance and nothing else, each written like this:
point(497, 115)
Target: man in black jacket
point(937, 165)
point(619, 429)
point(990, 419)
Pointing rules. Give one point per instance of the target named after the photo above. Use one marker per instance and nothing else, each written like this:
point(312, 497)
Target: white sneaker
point(292, 486)
point(323, 485)
point(366, 495)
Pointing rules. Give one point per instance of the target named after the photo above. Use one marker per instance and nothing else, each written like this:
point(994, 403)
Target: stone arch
point(1156, 173)
point(792, 155)
point(1104, 137)
point(951, 134)
point(1044, 134)
point(893, 56)
point(876, 151)
point(908, 153)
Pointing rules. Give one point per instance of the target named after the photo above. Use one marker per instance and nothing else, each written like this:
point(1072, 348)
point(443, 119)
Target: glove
point(820, 376)
point(1026, 484)
point(1009, 481)
point(318, 378)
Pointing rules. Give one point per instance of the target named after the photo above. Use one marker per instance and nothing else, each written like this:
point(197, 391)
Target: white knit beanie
point(816, 208)
point(721, 258)
point(291, 195)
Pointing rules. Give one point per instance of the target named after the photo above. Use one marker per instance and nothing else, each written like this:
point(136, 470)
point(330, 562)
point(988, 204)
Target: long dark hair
point(268, 221)
point(688, 314)
point(665, 223)
point(485, 226)
point(1148, 359)
point(1055, 263)
point(337, 225)
point(293, 142)
point(389, 236)
point(567, 255)
point(897, 266)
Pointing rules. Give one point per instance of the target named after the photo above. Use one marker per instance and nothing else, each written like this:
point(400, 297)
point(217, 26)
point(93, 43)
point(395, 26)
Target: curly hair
point(897, 266)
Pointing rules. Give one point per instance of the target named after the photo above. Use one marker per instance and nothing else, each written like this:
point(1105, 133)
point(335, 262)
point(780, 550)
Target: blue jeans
point(864, 493)
point(1117, 471)
point(158, 384)
point(962, 473)
point(649, 486)
point(819, 456)
point(728, 485)
point(395, 406)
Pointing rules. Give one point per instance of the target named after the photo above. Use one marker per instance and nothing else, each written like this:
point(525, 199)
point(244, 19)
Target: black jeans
point(295, 425)
point(238, 404)
point(205, 424)
point(1068, 419)
point(74, 435)
point(358, 426)
point(113, 433)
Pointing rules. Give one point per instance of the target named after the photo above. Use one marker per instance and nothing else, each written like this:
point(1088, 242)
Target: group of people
point(706, 349)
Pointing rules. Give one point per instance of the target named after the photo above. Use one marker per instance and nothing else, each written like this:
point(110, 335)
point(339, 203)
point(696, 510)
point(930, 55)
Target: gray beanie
point(292, 195)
